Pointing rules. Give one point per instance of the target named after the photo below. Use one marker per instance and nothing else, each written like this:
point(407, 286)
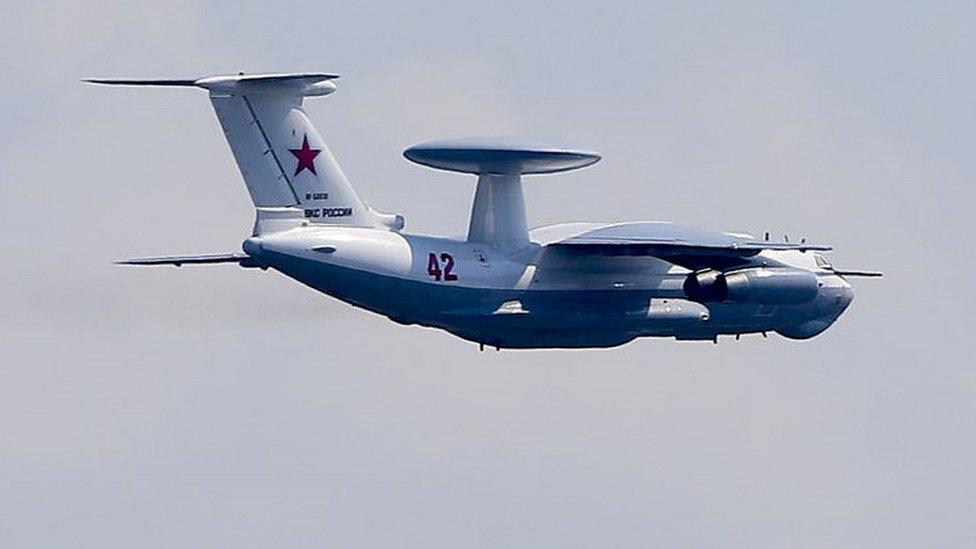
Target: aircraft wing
point(687, 247)
point(179, 260)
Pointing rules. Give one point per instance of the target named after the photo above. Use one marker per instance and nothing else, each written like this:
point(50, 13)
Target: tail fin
point(283, 159)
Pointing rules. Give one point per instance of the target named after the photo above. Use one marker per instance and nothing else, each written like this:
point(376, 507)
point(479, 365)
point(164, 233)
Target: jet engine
point(756, 285)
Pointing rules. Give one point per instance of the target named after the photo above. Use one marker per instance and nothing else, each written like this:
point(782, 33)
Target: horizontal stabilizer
point(178, 260)
point(295, 84)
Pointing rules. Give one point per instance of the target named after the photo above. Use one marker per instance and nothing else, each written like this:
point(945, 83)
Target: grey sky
point(218, 407)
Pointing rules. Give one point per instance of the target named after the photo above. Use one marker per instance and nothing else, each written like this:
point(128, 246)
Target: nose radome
point(836, 295)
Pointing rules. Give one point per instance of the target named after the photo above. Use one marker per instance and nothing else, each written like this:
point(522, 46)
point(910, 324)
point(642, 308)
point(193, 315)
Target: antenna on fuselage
point(498, 212)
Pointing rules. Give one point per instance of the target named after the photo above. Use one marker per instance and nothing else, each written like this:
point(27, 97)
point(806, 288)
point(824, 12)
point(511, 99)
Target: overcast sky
point(214, 406)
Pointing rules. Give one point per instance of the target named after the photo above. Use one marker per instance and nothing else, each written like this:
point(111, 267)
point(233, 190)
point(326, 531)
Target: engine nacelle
point(757, 285)
point(706, 286)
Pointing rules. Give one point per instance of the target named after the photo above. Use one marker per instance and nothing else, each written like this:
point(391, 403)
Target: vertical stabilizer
point(283, 159)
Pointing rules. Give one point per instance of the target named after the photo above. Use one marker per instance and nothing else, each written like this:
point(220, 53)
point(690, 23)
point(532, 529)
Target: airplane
point(571, 285)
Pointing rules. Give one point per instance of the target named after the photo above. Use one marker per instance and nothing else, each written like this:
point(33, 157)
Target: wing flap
point(745, 246)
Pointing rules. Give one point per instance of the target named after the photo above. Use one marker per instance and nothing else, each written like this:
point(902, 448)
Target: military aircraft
point(570, 285)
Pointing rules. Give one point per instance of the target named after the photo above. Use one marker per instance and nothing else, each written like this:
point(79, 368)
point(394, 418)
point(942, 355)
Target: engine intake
point(757, 285)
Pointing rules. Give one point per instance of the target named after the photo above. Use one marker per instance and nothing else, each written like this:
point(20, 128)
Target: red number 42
point(434, 267)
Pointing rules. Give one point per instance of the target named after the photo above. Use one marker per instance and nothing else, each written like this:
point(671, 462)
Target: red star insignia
point(306, 157)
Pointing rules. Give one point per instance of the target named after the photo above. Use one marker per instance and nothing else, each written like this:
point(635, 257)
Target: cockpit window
point(822, 263)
